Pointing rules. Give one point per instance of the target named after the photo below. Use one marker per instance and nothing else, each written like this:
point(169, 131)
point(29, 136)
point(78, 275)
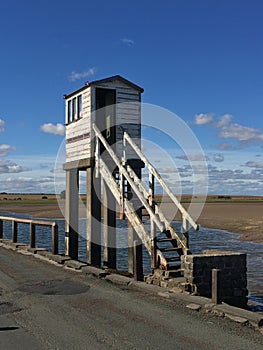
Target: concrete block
point(164, 284)
point(149, 280)
point(13, 245)
point(119, 279)
point(94, 271)
point(156, 282)
point(74, 264)
point(255, 319)
point(194, 307)
point(60, 259)
point(44, 253)
point(34, 250)
point(158, 273)
point(164, 295)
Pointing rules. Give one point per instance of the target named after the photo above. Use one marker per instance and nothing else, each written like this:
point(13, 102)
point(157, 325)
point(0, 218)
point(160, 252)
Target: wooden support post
point(153, 226)
point(14, 231)
point(185, 232)
point(216, 286)
point(1, 229)
point(132, 235)
point(153, 253)
point(137, 261)
point(32, 235)
point(153, 245)
point(72, 213)
point(54, 239)
point(151, 190)
point(122, 190)
point(109, 220)
point(93, 203)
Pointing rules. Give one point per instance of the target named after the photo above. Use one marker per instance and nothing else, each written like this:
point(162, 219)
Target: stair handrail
point(185, 215)
point(149, 242)
point(125, 173)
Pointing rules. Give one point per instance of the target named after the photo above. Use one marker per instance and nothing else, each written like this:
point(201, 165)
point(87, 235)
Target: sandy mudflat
point(243, 218)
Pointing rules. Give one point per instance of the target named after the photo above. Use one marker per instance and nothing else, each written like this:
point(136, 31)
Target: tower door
point(106, 113)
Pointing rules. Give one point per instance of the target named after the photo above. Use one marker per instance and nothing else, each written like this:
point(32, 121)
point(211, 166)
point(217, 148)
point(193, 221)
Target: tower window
point(74, 109)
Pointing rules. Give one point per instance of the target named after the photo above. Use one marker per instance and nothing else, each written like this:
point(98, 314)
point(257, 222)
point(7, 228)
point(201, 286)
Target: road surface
point(43, 306)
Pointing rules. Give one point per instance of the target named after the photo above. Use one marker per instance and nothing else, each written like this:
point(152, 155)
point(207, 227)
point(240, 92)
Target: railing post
point(54, 239)
point(14, 231)
point(97, 157)
point(216, 286)
point(151, 189)
point(137, 263)
point(153, 253)
point(124, 148)
point(185, 232)
point(1, 229)
point(122, 190)
point(32, 235)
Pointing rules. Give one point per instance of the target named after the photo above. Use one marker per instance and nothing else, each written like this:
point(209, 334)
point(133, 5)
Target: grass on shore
point(49, 199)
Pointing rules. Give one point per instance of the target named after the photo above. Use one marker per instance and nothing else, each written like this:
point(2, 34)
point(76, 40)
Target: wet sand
point(243, 218)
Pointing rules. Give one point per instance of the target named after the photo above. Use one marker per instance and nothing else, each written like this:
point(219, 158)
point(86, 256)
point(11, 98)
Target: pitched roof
point(116, 77)
point(105, 80)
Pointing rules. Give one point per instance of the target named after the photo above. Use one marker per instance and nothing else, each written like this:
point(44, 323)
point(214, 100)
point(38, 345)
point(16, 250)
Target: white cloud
point(79, 75)
point(8, 167)
point(252, 164)
point(243, 134)
point(56, 129)
point(5, 149)
point(27, 185)
point(2, 123)
point(203, 119)
point(193, 157)
point(235, 181)
point(128, 42)
point(229, 130)
point(218, 157)
point(224, 121)
point(240, 133)
point(225, 146)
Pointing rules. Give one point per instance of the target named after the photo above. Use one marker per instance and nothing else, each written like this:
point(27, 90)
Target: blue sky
point(202, 60)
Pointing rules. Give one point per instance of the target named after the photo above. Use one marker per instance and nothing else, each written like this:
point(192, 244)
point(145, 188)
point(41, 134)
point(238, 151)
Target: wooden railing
point(154, 175)
point(32, 230)
point(158, 219)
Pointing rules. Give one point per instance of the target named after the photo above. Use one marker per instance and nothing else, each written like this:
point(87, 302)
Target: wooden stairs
point(160, 238)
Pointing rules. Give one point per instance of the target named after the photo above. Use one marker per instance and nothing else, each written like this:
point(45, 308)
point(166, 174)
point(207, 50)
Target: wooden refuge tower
point(103, 138)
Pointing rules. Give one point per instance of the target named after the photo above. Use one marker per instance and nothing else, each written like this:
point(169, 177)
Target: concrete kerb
point(11, 245)
point(193, 302)
point(74, 264)
point(119, 279)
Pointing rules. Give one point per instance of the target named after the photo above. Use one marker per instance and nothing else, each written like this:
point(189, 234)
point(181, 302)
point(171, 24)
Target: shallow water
point(200, 240)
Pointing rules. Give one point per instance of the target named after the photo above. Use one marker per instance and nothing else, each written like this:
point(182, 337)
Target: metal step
point(173, 259)
point(174, 265)
point(169, 249)
point(166, 239)
point(173, 273)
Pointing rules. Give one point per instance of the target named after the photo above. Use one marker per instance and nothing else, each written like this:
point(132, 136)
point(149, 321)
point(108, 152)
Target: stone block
point(74, 264)
point(194, 307)
point(156, 281)
point(198, 273)
point(60, 259)
point(94, 271)
point(164, 284)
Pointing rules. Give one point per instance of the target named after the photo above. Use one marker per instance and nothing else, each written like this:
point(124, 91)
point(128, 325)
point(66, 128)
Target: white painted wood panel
point(128, 114)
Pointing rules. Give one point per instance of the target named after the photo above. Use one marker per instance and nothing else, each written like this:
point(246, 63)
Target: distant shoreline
point(242, 215)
